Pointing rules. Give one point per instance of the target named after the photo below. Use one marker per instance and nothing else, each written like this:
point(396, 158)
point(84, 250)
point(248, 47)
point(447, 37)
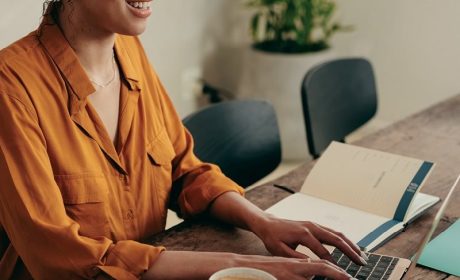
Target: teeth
point(140, 5)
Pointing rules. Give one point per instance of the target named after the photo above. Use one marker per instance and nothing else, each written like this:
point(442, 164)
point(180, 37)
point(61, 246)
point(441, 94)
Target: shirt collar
point(130, 73)
point(51, 37)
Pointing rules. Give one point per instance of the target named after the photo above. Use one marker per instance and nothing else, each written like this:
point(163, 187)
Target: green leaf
point(288, 24)
point(255, 26)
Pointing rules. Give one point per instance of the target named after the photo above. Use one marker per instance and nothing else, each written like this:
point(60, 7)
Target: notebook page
point(354, 223)
point(420, 204)
point(369, 180)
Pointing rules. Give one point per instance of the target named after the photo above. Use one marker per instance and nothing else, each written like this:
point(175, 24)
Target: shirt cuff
point(130, 259)
point(197, 197)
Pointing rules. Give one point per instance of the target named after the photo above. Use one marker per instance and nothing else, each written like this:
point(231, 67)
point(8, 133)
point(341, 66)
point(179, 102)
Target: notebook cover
point(443, 252)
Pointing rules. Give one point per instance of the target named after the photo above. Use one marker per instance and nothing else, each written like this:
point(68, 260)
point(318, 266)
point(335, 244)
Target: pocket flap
point(160, 150)
point(82, 188)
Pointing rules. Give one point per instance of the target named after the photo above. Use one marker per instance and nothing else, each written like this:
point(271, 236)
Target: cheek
point(115, 16)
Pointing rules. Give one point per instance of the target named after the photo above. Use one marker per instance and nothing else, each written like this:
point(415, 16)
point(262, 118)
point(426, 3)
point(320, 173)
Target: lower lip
point(140, 13)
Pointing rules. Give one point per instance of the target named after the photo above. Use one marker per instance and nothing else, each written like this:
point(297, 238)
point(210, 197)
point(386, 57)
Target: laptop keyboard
point(378, 266)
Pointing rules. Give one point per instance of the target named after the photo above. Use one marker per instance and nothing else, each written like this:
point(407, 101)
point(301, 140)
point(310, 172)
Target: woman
point(92, 151)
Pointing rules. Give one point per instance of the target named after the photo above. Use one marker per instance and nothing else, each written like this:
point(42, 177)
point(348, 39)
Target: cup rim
point(251, 271)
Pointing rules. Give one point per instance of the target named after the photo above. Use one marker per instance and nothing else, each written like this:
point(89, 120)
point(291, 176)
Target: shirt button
point(130, 214)
point(124, 179)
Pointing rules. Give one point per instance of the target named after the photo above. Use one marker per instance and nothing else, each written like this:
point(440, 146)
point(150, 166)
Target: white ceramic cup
point(243, 273)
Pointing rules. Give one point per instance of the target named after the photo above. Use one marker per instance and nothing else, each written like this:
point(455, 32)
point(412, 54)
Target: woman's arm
point(281, 237)
point(201, 265)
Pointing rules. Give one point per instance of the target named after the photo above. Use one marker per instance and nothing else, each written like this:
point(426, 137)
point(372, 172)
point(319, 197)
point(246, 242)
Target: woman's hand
point(281, 238)
point(301, 269)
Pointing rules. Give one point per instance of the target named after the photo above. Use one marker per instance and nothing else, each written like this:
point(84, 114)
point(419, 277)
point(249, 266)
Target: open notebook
point(369, 195)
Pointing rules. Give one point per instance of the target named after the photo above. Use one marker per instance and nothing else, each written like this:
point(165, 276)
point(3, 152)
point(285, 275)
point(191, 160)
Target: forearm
point(189, 265)
point(175, 265)
point(234, 209)
point(201, 265)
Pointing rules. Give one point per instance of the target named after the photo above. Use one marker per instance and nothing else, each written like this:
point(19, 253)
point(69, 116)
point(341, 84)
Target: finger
point(327, 269)
point(287, 251)
point(333, 239)
point(353, 245)
point(333, 264)
point(316, 247)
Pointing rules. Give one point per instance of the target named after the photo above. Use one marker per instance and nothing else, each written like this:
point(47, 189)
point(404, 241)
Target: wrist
point(264, 263)
point(260, 224)
point(236, 210)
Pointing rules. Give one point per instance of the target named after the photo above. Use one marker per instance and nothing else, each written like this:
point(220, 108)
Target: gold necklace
point(111, 79)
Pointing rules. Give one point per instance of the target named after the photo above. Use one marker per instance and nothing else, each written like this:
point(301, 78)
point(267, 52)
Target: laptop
point(388, 267)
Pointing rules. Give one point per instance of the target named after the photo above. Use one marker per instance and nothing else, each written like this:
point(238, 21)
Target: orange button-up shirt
point(72, 204)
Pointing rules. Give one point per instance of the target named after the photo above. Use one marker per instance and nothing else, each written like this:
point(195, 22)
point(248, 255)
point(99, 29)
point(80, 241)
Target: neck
point(94, 47)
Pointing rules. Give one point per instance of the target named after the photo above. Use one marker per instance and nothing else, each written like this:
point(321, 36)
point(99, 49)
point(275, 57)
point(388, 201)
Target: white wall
point(413, 45)
point(17, 19)
point(184, 36)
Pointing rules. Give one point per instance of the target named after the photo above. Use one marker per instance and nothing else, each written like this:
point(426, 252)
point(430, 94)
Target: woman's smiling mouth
point(140, 9)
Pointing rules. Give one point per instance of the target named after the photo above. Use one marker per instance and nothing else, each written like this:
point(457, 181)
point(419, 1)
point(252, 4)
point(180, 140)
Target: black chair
point(241, 137)
point(338, 97)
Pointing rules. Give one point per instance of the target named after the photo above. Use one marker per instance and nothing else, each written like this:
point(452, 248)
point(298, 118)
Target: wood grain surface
point(433, 135)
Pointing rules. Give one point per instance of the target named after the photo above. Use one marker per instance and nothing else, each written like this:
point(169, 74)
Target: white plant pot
point(277, 79)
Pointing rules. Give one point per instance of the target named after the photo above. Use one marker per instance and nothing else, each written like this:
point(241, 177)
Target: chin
point(134, 30)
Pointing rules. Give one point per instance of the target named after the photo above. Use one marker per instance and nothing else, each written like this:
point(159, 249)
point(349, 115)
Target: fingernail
point(364, 262)
point(364, 256)
point(353, 278)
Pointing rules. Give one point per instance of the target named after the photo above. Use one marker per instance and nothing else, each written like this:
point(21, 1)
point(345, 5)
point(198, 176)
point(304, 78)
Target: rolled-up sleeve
point(201, 183)
point(33, 214)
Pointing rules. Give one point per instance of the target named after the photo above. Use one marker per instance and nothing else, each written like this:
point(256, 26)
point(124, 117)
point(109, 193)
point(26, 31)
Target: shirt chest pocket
point(85, 199)
point(160, 153)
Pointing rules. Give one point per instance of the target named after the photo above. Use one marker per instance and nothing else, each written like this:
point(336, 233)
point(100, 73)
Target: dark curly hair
point(52, 7)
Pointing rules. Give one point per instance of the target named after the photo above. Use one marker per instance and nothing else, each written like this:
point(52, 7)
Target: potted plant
point(293, 26)
point(289, 37)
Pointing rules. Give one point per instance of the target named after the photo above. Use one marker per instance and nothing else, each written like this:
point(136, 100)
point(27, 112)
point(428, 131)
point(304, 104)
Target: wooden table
point(433, 134)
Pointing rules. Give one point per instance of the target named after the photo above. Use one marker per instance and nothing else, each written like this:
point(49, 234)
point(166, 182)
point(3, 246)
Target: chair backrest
point(241, 137)
point(338, 97)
